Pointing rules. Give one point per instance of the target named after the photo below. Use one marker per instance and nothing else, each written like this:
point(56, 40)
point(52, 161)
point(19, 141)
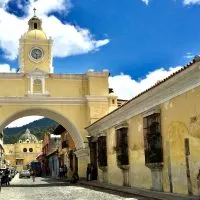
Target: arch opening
point(60, 119)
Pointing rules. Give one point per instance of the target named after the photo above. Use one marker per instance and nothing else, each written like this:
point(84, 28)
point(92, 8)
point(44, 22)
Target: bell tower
point(35, 48)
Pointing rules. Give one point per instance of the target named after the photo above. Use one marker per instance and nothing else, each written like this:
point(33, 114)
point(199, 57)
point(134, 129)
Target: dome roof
point(35, 35)
point(28, 137)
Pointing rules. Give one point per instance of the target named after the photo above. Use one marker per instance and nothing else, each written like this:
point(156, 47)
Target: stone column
point(125, 170)
point(156, 174)
point(105, 173)
point(82, 155)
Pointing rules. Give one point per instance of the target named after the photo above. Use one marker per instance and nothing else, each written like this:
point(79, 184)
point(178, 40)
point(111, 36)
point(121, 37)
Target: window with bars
point(122, 146)
point(152, 139)
point(102, 151)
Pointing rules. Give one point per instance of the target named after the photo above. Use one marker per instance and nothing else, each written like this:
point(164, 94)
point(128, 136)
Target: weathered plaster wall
point(115, 175)
point(178, 124)
point(180, 119)
point(140, 175)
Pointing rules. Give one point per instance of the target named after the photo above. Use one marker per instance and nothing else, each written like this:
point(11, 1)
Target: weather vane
point(34, 10)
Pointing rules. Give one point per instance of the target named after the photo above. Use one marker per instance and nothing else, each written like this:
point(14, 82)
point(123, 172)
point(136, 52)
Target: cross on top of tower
point(34, 10)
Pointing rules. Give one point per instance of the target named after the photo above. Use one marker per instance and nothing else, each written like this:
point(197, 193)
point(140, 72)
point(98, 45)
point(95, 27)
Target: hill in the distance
point(37, 128)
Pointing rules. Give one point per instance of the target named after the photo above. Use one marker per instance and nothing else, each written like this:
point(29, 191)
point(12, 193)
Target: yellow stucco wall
point(15, 151)
point(177, 125)
point(6, 86)
point(115, 175)
point(76, 99)
point(178, 117)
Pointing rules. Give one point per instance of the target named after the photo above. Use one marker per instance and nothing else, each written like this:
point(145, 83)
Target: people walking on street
point(65, 171)
point(61, 172)
point(75, 178)
point(89, 172)
point(33, 174)
point(1, 177)
point(7, 174)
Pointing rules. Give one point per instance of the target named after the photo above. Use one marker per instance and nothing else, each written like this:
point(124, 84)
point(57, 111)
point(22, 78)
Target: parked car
point(24, 174)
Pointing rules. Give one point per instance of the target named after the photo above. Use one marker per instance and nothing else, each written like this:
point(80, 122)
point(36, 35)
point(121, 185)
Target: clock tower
point(35, 48)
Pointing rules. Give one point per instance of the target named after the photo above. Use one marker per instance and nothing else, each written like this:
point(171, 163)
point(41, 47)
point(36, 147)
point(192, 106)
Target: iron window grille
point(152, 139)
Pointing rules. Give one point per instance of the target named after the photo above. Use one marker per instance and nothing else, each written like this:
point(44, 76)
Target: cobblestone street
point(47, 189)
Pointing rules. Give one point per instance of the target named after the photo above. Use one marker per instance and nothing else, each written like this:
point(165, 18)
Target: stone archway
point(66, 123)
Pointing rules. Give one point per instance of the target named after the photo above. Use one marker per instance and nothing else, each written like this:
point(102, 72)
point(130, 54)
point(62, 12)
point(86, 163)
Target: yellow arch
point(59, 118)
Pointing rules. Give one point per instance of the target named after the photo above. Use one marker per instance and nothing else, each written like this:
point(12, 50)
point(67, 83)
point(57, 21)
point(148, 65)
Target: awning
point(41, 154)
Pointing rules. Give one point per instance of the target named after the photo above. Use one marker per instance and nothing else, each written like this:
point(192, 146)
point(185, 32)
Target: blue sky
point(138, 41)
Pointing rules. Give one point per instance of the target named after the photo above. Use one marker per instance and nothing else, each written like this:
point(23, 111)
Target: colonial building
point(153, 140)
point(24, 151)
point(49, 155)
point(72, 100)
point(66, 151)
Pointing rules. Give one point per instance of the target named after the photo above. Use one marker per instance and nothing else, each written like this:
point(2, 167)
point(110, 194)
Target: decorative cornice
point(173, 87)
point(68, 76)
point(57, 76)
point(11, 75)
point(96, 98)
point(121, 125)
point(42, 99)
point(47, 99)
point(151, 111)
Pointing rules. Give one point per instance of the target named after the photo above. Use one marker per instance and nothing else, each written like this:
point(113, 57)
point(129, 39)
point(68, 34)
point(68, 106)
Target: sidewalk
point(138, 191)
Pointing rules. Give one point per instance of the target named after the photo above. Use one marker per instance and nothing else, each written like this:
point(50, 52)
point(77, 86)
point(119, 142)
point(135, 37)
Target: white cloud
point(6, 68)
point(125, 87)
point(68, 39)
point(146, 2)
point(189, 2)
point(43, 8)
point(189, 55)
point(23, 121)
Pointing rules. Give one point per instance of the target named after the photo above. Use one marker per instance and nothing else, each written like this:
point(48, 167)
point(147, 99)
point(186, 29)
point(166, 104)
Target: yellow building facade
point(159, 146)
point(24, 151)
point(73, 100)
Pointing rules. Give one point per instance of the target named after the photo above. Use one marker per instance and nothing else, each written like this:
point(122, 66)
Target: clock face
point(36, 53)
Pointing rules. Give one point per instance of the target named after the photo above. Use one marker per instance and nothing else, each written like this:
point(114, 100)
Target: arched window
point(35, 25)
point(37, 86)
point(24, 149)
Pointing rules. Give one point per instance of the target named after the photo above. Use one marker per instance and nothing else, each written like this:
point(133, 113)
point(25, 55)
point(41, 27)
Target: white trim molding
point(181, 83)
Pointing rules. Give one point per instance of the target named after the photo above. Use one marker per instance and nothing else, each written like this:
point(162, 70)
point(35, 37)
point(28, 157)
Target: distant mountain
point(37, 128)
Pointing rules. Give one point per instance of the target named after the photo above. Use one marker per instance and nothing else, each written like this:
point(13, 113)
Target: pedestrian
point(94, 173)
point(1, 179)
point(7, 174)
point(61, 172)
point(75, 178)
point(89, 173)
point(65, 170)
point(33, 174)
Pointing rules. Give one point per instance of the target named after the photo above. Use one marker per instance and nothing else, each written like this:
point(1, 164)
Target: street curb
point(143, 193)
point(118, 190)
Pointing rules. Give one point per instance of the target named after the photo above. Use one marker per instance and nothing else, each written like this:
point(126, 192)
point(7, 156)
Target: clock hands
point(36, 53)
